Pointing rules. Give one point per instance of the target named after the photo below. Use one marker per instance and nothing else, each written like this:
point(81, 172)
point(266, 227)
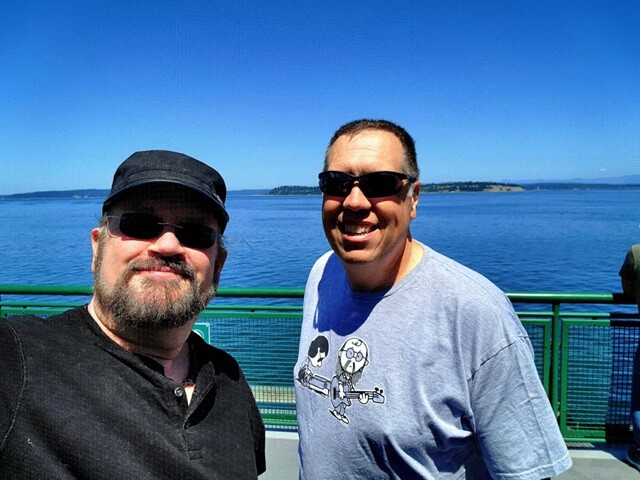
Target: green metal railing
point(584, 347)
point(590, 360)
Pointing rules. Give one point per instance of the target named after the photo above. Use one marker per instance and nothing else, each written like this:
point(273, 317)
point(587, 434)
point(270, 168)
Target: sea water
point(563, 240)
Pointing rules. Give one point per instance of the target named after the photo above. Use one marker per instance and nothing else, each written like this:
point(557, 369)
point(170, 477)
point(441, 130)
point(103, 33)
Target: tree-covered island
point(449, 187)
point(428, 188)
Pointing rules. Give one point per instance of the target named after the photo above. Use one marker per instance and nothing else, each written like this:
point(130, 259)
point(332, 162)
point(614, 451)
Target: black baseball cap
point(163, 166)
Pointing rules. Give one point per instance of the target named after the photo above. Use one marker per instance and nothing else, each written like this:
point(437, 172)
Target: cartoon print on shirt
point(351, 360)
point(318, 351)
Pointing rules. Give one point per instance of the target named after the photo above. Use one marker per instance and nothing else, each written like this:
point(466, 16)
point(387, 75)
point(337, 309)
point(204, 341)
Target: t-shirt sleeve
point(12, 379)
point(515, 426)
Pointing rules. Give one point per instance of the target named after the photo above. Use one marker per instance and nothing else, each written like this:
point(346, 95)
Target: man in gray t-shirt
point(410, 365)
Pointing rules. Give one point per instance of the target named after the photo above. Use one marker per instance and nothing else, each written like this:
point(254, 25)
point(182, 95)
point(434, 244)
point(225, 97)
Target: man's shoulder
point(25, 325)
point(18, 324)
point(448, 268)
point(453, 282)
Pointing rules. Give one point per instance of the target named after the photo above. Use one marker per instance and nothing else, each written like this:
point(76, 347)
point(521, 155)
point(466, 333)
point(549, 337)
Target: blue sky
point(491, 90)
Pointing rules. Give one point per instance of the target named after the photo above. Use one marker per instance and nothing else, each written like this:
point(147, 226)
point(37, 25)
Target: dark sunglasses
point(144, 226)
point(373, 185)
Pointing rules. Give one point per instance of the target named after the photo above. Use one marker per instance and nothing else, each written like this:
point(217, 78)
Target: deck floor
point(590, 461)
point(600, 462)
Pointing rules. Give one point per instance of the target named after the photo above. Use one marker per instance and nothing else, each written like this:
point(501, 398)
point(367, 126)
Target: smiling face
point(370, 235)
point(156, 282)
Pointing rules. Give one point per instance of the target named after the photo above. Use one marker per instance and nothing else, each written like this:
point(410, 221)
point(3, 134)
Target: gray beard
point(161, 306)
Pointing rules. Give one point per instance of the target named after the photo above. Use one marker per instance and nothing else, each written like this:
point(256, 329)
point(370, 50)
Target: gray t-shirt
point(433, 378)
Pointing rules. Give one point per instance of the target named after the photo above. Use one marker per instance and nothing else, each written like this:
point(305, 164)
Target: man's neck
point(168, 347)
point(375, 277)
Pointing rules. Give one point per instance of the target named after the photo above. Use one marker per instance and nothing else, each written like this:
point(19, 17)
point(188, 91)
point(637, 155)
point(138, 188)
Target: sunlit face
point(157, 282)
point(365, 230)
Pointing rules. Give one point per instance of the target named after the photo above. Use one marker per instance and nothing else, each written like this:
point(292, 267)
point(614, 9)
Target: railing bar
point(555, 356)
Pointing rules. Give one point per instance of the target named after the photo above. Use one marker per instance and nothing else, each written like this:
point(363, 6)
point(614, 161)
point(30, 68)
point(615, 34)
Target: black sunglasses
point(373, 185)
point(144, 226)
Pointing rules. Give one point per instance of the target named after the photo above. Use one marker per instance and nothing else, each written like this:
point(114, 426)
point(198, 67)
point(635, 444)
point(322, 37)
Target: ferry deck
point(590, 462)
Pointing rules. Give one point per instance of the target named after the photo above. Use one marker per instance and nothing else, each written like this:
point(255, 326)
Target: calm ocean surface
point(525, 241)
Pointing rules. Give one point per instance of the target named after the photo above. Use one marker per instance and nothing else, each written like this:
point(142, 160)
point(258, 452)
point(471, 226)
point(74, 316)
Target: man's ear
point(221, 257)
point(415, 196)
point(95, 242)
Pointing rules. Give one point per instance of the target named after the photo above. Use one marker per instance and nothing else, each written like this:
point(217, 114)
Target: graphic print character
point(352, 358)
point(318, 351)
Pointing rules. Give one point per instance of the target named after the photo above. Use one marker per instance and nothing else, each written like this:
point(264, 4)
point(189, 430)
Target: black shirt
point(75, 405)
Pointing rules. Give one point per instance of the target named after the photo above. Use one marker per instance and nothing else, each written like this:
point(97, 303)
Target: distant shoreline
point(286, 190)
point(476, 187)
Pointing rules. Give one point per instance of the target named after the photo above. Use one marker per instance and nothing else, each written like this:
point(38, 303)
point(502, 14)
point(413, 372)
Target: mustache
point(175, 264)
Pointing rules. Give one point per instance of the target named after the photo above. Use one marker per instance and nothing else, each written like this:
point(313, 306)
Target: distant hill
point(580, 186)
point(254, 191)
point(59, 194)
point(628, 182)
point(428, 187)
point(96, 193)
point(470, 187)
point(622, 180)
point(453, 187)
point(294, 190)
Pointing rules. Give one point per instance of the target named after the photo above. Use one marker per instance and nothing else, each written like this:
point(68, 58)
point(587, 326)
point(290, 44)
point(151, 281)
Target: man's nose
point(356, 200)
point(167, 242)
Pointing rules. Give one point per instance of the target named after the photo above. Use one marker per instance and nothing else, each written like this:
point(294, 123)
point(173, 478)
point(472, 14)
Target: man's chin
point(155, 325)
point(355, 260)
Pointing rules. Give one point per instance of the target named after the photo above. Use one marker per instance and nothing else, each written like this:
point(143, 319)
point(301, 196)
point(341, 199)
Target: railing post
point(554, 377)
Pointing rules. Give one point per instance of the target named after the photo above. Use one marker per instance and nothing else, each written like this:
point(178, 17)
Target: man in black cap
point(122, 388)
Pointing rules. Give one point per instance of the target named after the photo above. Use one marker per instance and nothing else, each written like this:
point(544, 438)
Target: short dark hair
point(357, 126)
point(319, 344)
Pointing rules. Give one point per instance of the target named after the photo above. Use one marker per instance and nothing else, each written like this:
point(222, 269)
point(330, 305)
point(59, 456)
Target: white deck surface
point(600, 461)
point(590, 462)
